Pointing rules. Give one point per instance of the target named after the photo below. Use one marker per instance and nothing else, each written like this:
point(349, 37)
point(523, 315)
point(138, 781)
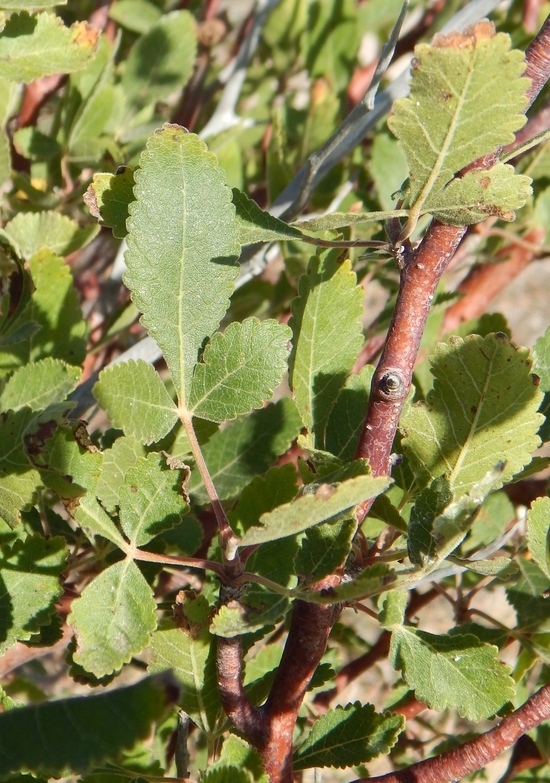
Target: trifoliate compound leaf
point(162, 60)
point(190, 652)
point(182, 244)
point(328, 335)
point(152, 499)
point(483, 387)
point(255, 225)
point(61, 730)
point(247, 448)
point(240, 369)
point(349, 735)
point(327, 502)
point(39, 384)
point(30, 576)
point(538, 533)
point(33, 231)
point(108, 199)
point(456, 670)
point(19, 480)
point(479, 194)
point(113, 619)
point(136, 400)
point(36, 46)
point(467, 98)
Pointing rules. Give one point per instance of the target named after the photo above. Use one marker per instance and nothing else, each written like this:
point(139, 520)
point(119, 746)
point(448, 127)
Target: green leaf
point(312, 509)
point(152, 499)
point(428, 506)
point(264, 493)
point(31, 143)
point(19, 480)
point(113, 619)
point(136, 400)
point(162, 60)
point(346, 736)
point(61, 730)
point(181, 247)
point(483, 386)
point(80, 470)
point(541, 353)
point(228, 774)
point(237, 754)
point(108, 198)
point(479, 194)
point(136, 15)
point(374, 580)
point(39, 384)
point(36, 46)
point(388, 168)
point(30, 574)
point(34, 231)
point(326, 321)
point(325, 548)
point(54, 308)
point(247, 448)
point(538, 533)
point(467, 98)
point(239, 370)
point(255, 225)
point(123, 454)
point(241, 618)
point(347, 417)
point(456, 670)
point(190, 652)
point(526, 596)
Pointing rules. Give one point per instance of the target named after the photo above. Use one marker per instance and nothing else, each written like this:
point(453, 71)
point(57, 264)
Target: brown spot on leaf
point(471, 35)
point(85, 35)
point(485, 182)
point(90, 199)
point(324, 491)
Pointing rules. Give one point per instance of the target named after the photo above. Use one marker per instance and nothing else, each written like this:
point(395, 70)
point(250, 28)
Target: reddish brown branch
point(308, 634)
point(238, 708)
point(474, 755)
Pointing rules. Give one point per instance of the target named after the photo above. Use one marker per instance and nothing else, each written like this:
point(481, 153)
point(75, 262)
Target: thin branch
point(459, 762)
point(225, 116)
point(241, 713)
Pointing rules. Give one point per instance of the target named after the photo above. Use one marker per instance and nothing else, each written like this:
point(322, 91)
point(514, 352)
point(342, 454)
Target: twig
point(225, 116)
point(459, 762)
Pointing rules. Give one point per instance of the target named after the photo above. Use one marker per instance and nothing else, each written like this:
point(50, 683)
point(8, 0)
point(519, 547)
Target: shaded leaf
point(36, 46)
point(19, 480)
point(247, 448)
point(456, 670)
point(181, 247)
point(30, 573)
point(541, 353)
point(123, 454)
point(136, 400)
point(264, 493)
point(328, 335)
point(324, 548)
point(527, 596)
point(162, 60)
point(109, 196)
point(349, 735)
point(240, 369)
point(347, 416)
point(312, 509)
point(61, 729)
point(113, 618)
point(190, 653)
point(39, 384)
